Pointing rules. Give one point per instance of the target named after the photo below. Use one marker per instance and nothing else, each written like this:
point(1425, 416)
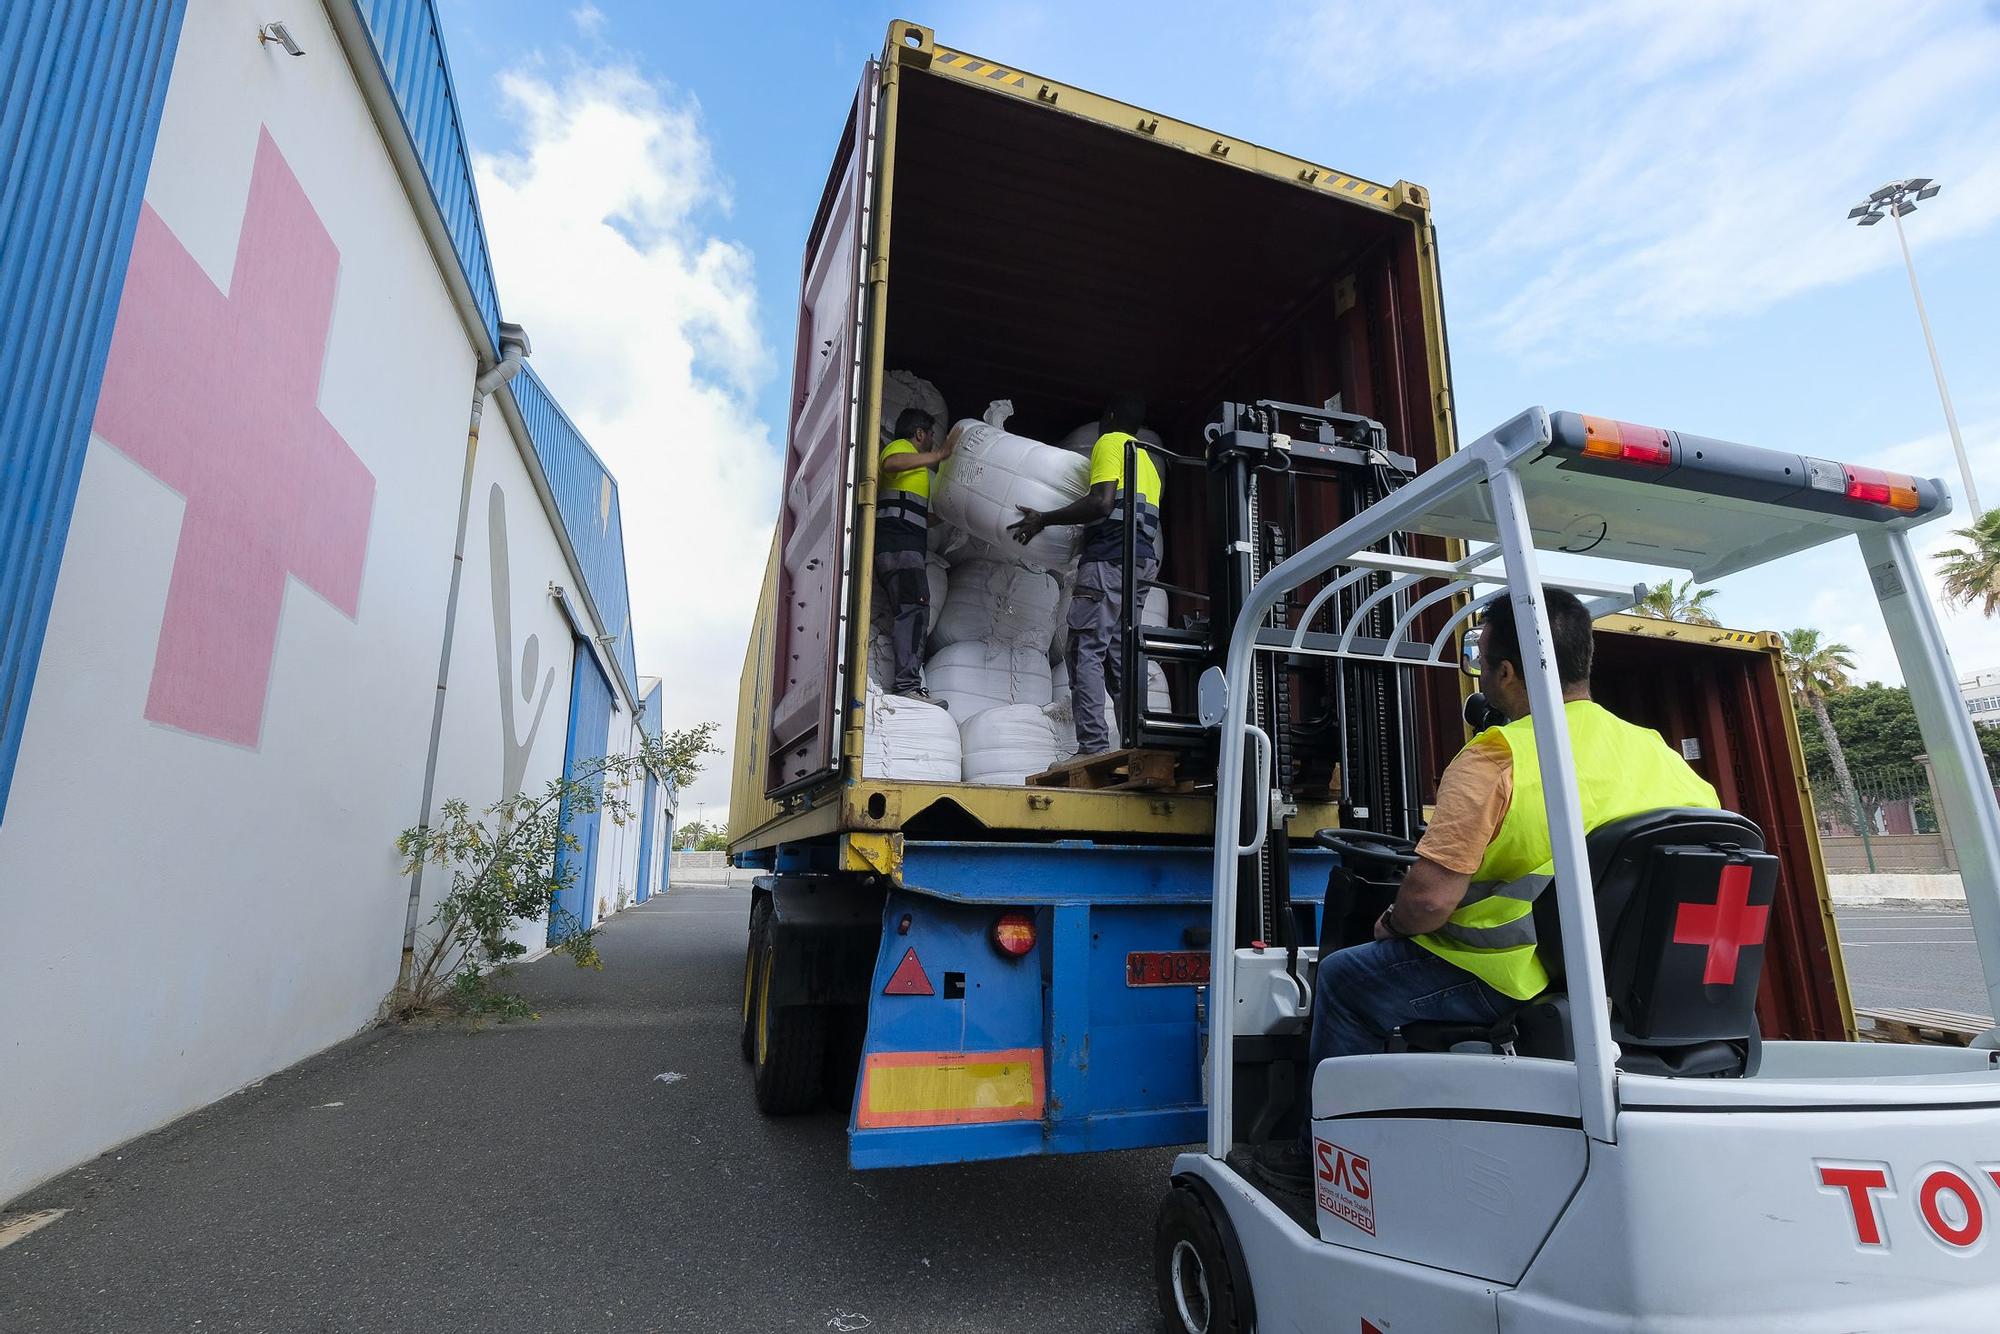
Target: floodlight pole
point(1937, 367)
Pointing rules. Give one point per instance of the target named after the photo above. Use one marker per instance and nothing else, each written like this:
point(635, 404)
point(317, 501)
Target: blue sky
point(1640, 210)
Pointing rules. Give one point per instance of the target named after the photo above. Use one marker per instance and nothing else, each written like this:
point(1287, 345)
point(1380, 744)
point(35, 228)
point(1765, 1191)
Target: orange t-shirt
point(1472, 800)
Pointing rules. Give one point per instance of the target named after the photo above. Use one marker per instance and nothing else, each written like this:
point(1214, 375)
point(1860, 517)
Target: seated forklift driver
point(1458, 943)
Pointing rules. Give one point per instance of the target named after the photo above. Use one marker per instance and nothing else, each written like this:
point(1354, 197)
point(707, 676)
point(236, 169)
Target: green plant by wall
point(503, 864)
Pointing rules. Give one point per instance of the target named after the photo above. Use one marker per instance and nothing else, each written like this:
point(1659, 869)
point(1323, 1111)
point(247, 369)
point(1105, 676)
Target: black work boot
point(1283, 1166)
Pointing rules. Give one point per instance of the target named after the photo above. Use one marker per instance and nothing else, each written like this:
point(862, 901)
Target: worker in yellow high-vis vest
point(1097, 610)
point(902, 529)
point(1458, 943)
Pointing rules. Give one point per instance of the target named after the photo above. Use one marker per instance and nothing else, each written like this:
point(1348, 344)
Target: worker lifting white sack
point(908, 740)
point(900, 390)
point(973, 676)
point(992, 474)
point(999, 603)
point(1005, 745)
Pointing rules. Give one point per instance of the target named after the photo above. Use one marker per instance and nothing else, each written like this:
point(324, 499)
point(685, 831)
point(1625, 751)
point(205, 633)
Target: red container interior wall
point(1726, 702)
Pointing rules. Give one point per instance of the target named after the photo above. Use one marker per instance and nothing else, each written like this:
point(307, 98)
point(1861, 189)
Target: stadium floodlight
point(1896, 201)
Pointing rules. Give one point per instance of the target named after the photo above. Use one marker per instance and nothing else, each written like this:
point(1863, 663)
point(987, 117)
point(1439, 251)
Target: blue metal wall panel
point(411, 49)
point(650, 710)
point(587, 499)
point(81, 87)
point(589, 726)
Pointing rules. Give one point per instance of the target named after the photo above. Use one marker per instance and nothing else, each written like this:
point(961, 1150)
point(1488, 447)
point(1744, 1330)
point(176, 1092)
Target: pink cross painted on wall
point(217, 396)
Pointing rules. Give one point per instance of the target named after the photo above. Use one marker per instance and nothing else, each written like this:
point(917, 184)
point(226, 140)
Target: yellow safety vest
point(1621, 770)
point(917, 481)
point(1105, 539)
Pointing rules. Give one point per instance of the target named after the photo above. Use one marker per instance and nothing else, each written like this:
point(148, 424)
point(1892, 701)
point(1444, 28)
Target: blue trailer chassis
point(973, 1054)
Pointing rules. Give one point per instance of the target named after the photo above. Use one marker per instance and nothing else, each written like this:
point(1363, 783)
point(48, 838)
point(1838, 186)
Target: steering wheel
point(1367, 845)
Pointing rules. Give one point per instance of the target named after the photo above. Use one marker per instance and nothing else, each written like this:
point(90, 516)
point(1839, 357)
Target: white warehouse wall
point(496, 742)
point(197, 867)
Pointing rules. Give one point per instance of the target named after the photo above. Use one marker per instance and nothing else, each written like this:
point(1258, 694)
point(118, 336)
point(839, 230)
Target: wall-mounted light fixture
point(279, 33)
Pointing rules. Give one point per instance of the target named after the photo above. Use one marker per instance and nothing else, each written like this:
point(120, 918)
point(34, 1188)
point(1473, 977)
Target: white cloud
point(1651, 166)
point(643, 318)
point(589, 20)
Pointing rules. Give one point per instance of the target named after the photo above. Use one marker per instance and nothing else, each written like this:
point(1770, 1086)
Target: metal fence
point(1890, 824)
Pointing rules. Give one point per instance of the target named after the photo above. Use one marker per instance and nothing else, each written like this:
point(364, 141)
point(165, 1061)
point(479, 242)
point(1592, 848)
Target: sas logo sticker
point(1342, 1186)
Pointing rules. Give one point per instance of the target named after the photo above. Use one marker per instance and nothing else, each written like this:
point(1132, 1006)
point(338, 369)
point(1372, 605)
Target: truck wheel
point(790, 1050)
point(1192, 1270)
point(753, 954)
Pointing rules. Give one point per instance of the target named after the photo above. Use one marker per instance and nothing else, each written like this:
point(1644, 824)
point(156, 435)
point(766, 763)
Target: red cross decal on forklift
point(1726, 926)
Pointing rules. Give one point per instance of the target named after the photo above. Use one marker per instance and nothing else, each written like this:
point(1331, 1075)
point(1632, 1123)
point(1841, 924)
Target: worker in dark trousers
point(1096, 604)
point(902, 527)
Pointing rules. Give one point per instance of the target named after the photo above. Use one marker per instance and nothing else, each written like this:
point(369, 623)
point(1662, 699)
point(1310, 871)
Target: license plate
point(1166, 968)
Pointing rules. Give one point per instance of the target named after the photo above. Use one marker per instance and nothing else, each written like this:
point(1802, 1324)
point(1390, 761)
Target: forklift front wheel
point(1193, 1270)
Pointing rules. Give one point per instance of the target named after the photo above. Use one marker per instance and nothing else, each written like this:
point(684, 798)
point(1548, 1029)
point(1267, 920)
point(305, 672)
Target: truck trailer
point(984, 971)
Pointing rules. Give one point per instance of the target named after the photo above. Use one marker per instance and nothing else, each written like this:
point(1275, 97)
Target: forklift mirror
point(1468, 653)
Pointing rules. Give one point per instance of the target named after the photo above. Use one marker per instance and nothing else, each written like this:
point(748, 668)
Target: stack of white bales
point(997, 623)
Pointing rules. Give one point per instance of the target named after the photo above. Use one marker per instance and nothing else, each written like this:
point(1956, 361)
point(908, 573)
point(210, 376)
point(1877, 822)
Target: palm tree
point(1677, 602)
point(1972, 572)
point(1816, 671)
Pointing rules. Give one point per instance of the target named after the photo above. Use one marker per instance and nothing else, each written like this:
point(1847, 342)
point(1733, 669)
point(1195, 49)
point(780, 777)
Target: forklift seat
point(1684, 899)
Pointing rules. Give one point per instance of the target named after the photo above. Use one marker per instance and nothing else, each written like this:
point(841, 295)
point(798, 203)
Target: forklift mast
point(1279, 475)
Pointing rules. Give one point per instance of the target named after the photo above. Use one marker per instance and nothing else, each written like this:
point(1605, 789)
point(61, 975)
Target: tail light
point(1894, 489)
point(1607, 439)
point(1014, 933)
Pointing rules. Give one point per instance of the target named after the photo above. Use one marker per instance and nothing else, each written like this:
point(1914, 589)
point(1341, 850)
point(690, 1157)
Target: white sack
point(901, 389)
point(983, 486)
point(880, 655)
point(1006, 744)
point(908, 740)
point(974, 676)
point(999, 603)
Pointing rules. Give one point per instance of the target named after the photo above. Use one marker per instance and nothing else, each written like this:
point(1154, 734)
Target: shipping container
point(1007, 236)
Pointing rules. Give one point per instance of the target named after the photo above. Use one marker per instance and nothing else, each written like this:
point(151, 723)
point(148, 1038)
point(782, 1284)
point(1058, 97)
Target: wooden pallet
point(1935, 1028)
point(1131, 770)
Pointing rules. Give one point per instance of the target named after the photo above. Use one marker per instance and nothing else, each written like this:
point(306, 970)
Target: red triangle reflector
point(909, 978)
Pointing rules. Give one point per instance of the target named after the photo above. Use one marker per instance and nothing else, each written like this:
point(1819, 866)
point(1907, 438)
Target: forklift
point(1626, 1153)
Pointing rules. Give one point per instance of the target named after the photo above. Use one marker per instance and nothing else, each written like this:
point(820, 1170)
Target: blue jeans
point(1366, 992)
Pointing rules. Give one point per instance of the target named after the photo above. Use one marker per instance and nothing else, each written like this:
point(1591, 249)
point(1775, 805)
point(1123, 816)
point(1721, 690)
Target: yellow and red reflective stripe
point(950, 1088)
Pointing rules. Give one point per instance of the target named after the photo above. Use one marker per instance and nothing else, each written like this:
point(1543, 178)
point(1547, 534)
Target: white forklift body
point(1829, 1186)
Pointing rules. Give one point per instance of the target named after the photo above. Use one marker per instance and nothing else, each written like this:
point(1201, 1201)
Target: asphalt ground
point(1912, 957)
point(542, 1177)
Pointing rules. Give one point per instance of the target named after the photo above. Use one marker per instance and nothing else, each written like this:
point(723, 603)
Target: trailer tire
point(1193, 1271)
point(753, 955)
point(789, 1053)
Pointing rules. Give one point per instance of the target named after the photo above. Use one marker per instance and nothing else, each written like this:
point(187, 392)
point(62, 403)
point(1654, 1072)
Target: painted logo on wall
point(514, 748)
point(216, 394)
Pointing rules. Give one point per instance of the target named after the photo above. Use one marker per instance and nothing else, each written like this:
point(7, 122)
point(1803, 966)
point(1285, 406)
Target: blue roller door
point(589, 725)
point(646, 839)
